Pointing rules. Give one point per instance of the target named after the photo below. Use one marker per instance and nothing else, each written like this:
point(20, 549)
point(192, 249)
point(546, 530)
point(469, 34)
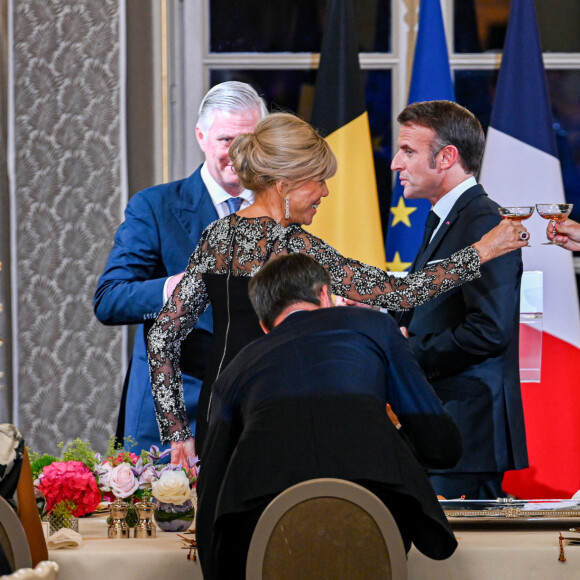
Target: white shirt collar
point(219, 196)
point(444, 205)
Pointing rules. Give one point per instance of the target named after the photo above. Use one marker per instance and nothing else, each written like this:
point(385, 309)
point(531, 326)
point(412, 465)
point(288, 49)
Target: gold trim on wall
point(412, 20)
point(165, 94)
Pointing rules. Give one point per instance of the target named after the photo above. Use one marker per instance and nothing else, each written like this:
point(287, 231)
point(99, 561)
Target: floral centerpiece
point(126, 476)
point(66, 489)
point(175, 510)
point(76, 484)
point(69, 486)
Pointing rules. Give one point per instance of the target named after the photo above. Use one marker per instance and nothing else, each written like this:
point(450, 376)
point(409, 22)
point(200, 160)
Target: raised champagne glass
point(517, 214)
point(557, 212)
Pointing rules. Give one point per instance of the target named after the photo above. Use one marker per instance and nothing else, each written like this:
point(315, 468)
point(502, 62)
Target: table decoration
point(509, 509)
point(69, 490)
point(82, 480)
point(118, 527)
point(76, 484)
point(174, 510)
point(65, 488)
point(118, 481)
point(64, 538)
point(145, 527)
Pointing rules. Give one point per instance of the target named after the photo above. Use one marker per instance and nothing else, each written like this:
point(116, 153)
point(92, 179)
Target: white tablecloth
point(502, 550)
point(100, 558)
point(485, 553)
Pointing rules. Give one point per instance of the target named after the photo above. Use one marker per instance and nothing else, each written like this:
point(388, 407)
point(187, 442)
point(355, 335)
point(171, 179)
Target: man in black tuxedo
point(308, 400)
point(466, 340)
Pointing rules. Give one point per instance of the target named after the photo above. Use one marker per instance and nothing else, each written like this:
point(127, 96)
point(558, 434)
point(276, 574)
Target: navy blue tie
point(234, 203)
point(430, 225)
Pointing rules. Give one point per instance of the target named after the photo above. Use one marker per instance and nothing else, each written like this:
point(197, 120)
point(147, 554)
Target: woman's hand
point(505, 237)
point(566, 234)
point(340, 301)
point(183, 453)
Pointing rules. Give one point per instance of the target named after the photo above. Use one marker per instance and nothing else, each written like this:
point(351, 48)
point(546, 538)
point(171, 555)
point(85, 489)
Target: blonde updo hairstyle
point(282, 148)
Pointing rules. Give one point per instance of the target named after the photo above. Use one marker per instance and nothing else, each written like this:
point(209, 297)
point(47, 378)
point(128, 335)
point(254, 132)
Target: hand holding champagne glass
point(518, 214)
point(557, 212)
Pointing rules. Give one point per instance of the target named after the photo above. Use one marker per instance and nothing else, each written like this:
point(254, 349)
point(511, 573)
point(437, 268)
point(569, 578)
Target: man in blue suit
point(466, 340)
point(153, 245)
point(309, 400)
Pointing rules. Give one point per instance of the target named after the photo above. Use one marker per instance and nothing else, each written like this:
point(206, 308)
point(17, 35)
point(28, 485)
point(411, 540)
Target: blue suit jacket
point(307, 401)
point(467, 341)
point(162, 227)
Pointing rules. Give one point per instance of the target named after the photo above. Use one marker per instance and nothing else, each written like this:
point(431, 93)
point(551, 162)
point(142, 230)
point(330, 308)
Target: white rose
point(172, 487)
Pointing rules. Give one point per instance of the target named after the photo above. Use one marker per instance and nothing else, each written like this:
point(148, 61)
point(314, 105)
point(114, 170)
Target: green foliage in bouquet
point(79, 450)
point(63, 509)
point(39, 462)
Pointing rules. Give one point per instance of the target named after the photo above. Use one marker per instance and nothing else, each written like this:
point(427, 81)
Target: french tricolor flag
point(520, 167)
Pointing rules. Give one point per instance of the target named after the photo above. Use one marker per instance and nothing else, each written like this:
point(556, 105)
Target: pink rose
point(123, 481)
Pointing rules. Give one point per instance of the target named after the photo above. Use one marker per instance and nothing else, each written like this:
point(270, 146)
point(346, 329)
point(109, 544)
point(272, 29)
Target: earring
point(287, 204)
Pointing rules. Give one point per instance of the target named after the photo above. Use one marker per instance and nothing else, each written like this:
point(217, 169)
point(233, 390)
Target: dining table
point(487, 550)
point(103, 558)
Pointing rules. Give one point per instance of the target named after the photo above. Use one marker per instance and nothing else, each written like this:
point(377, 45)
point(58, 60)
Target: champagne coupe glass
point(517, 214)
point(557, 212)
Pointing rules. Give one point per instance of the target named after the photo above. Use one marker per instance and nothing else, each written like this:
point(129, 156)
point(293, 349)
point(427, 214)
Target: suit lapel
point(194, 207)
point(465, 198)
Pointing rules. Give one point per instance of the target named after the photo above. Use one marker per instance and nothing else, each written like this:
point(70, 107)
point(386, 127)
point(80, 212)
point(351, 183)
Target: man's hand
point(340, 301)
point(183, 453)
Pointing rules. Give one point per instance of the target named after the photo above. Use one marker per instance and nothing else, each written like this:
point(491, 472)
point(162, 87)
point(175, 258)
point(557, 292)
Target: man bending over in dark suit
point(466, 340)
point(153, 245)
point(307, 401)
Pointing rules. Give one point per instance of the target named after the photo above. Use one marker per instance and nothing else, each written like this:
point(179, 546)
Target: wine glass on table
point(518, 214)
point(557, 212)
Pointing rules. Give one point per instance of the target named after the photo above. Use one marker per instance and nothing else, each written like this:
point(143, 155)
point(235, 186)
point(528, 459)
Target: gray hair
point(231, 97)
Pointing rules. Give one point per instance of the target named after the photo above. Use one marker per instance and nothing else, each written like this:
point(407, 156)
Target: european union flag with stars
point(431, 80)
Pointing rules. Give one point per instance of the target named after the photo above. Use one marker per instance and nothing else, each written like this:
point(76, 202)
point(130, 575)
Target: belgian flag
point(349, 218)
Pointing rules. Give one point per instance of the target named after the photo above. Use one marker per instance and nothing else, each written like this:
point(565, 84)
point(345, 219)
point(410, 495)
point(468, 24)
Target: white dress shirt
point(219, 198)
point(444, 205)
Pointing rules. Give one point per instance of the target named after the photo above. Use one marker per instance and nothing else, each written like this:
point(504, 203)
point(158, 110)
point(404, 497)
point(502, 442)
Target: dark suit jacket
point(162, 227)
point(308, 401)
point(466, 340)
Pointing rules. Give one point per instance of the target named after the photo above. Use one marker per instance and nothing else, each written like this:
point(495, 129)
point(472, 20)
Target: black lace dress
point(230, 251)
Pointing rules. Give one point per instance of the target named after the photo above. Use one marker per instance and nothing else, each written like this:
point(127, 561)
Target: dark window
point(291, 26)
point(480, 25)
point(475, 90)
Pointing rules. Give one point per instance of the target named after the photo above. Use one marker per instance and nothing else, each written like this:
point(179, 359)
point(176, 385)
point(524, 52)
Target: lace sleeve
point(363, 283)
point(173, 324)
